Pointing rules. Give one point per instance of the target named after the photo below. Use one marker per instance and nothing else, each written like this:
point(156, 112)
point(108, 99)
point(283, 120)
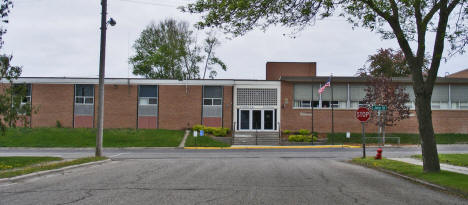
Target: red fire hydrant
point(379, 154)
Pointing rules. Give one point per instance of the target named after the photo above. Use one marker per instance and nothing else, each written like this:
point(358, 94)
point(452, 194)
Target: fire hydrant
point(379, 154)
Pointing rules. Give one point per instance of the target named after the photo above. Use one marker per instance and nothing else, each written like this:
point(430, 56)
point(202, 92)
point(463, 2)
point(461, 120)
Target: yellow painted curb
point(278, 147)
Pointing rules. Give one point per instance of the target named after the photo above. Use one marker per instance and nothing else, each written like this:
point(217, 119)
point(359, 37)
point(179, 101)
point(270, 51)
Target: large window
point(212, 95)
point(148, 95)
point(84, 94)
point(23, 89)
point(306, 96)
point(440, 97)
point(459, 96)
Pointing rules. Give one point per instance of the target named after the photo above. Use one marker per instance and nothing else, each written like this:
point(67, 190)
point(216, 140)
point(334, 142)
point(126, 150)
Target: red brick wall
point(55, 102)
point(212, 121)
point(147, 122)
point(444, 121)
point(274, 70)
point(83, 121)
point(179, 108)
point(120, 107)
point(227, 107)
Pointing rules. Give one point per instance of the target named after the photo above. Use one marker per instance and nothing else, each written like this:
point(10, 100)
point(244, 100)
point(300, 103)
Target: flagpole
point(312, 113)
point(332, 117)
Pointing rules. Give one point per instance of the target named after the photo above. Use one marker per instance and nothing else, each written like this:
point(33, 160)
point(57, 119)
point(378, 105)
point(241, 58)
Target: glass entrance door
point(256, 120)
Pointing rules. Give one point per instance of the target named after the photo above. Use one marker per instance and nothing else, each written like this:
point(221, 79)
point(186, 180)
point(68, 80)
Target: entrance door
point(257, 120)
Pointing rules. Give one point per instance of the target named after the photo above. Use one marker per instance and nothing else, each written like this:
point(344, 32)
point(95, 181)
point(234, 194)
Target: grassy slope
point(444, 178)
point(453, 159)
point(404, 138)
point(31, 169)
point(82, 137)
point(20, 161)
point(204, 141)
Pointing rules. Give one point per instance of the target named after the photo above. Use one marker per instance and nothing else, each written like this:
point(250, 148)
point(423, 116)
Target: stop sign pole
point(363, 114)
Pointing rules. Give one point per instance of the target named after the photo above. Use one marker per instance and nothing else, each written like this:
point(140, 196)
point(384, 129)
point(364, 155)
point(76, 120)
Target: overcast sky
point(57, 38)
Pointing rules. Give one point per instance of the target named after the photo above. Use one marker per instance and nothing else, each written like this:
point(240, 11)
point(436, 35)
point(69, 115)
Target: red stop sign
point(362, 114)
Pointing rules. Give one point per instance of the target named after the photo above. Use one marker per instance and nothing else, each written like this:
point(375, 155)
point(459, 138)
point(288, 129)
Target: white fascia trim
point(118, 81)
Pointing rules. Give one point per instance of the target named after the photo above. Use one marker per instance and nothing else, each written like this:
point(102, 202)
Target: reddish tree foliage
point(382, 91)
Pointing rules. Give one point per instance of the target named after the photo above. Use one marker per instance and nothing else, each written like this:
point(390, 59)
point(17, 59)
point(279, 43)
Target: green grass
point(444, 178)
point(204, 141)
point(18, 161)
point(83, 137)
point(31, 169)
point(453, 159)
point(340, 138)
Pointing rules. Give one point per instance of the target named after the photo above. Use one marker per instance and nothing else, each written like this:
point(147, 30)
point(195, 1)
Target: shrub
point(209, 130)
point(304, 132)
point(302, 138)
point(220, 132)
point(286, 132)
point(58, 124)
point(198, 127)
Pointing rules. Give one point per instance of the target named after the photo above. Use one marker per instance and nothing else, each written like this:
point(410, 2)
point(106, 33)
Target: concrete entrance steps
point(256, 138)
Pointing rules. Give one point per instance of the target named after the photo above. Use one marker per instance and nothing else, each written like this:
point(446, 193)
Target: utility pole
point(102, 68)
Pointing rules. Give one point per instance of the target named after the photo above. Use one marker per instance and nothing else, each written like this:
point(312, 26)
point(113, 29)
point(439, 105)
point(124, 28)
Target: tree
point(13, 106)
point(388, 63)
point(382, 91)
point(169, 50)
point(403, 20)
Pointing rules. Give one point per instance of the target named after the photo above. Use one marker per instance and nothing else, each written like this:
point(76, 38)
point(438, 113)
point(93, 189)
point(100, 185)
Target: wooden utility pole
point(102, 68)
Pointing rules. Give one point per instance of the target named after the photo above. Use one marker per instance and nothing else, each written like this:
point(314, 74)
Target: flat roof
point(348, 79)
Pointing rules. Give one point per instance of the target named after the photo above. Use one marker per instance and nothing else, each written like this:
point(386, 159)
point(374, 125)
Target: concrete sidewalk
point(276, 147)
point(446, 167)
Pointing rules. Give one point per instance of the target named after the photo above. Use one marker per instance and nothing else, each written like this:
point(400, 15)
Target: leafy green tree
point(404, 20)
point(388, 63)
point(169, 50)
point(13, 104)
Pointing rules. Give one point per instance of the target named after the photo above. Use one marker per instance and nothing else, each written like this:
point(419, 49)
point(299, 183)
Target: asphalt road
point(174, 176)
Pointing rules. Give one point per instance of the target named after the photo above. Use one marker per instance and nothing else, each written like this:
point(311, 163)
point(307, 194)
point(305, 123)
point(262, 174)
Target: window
point(212, 95)
point(459, 96)
point(440, 97)
point(148, 95)
point(23, 89)
point(84, 94)
point(306, 96)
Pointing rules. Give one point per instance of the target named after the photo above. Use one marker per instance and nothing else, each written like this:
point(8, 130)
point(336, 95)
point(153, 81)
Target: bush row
point(302, 138)
point(216, 131)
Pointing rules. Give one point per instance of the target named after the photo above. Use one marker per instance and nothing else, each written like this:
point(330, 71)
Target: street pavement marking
point(117, 155)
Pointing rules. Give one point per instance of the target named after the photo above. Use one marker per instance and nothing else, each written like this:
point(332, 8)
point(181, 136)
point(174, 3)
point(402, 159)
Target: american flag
point(324, 86)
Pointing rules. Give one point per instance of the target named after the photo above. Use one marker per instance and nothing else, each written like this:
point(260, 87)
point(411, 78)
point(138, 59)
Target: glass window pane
point(245, 119)
point(268, 120)
point(89, 100)
point(207, 101)
point(148, 91)
point(212, 92)
point(217, 101)
point(143, 101)
point(84, 90)
point(153, 101)
point(79, 100)
point(256, 119)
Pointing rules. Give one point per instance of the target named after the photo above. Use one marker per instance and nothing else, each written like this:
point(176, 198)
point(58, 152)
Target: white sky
point(57, 38)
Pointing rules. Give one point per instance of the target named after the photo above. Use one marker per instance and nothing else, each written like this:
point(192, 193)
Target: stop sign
point(362, 114)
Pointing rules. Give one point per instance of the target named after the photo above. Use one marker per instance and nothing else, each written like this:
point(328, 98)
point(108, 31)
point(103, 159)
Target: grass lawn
point(7, 163)
point(444, 178)
point(340, 138)
point(453, 159)
point(36, 166)
point(83, 137)
point(204, 141)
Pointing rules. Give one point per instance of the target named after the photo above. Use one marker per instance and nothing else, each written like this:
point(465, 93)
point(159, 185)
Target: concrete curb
point(278, 147)
point(52, 171)
point(82, 149)
point(418, 181)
